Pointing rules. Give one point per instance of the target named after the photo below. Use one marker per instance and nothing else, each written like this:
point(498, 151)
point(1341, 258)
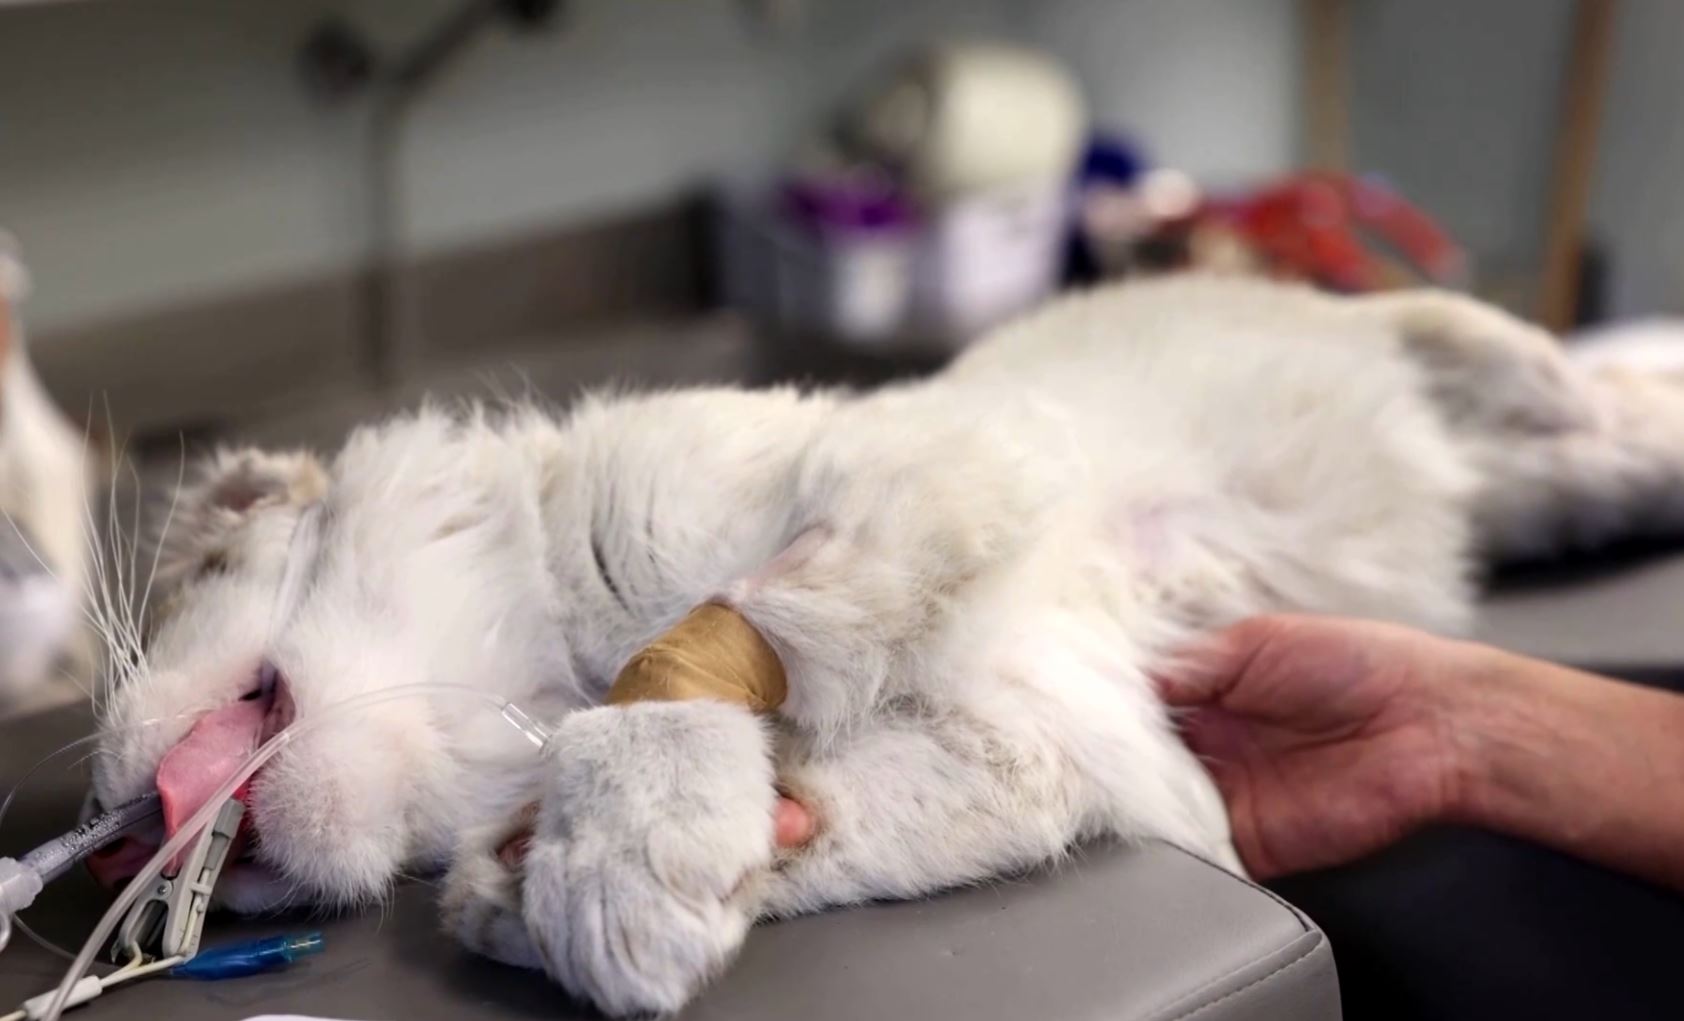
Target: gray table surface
point(1113, 934)
point(1624, 611)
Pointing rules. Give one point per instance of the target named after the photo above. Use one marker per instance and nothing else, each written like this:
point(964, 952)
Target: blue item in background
point(1109, 162)
point(1113, 160)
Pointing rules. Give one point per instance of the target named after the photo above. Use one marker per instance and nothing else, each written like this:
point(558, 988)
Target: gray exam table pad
point(1113, 933)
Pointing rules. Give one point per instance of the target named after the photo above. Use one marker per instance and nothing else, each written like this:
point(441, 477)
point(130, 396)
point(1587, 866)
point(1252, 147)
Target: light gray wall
point(1210, 86)
point(1455, 103)
point(1458, 102)
point(1638, 202)
point(155, 151)
point(639, 100)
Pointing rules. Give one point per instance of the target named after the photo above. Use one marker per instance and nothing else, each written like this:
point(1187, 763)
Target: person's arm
point(1584, 764)
point(1333, 738)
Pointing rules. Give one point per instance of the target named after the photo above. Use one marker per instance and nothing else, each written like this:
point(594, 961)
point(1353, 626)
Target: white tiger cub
point(967, 579)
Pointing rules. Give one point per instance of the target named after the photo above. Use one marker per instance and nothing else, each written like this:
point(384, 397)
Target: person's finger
point(793, 824)
point(1204, 671)
point(1216, 735)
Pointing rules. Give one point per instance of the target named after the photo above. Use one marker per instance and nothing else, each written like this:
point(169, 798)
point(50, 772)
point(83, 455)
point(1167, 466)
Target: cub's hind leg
point(1619, 475)
point(943, 797)
point(1486, 370)
point(1567, 457)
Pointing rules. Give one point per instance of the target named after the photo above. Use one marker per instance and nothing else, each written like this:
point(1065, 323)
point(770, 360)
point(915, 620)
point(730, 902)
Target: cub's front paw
point(636, 883)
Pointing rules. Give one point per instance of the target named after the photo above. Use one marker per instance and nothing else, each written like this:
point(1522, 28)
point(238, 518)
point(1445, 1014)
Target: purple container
point(847, 206)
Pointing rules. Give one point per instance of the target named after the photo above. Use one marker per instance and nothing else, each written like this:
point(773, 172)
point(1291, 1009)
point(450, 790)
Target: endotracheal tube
point(21, 881)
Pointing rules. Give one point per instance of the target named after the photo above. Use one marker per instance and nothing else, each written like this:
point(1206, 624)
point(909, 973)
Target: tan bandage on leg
point(714, 652)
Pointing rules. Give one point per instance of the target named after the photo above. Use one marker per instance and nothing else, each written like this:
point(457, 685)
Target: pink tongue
point(204, 760)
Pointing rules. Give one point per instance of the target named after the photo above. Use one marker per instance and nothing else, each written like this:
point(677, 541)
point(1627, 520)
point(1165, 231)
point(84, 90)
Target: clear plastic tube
point(517, 718)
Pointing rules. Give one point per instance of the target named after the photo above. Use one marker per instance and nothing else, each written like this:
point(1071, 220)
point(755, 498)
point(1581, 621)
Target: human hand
point(1328, 738)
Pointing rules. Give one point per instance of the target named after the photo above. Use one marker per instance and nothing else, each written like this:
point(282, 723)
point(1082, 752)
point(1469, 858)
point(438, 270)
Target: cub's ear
point(228, 488)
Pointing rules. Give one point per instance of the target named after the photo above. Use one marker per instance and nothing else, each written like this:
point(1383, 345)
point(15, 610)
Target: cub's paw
point(635, 885)
point(481, 904)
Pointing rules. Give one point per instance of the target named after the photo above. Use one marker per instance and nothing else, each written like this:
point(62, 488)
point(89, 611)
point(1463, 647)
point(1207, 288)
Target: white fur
point(968, 580)
point(652, 812)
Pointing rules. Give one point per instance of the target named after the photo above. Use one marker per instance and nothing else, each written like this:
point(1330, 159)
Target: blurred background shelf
point(196, 218)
